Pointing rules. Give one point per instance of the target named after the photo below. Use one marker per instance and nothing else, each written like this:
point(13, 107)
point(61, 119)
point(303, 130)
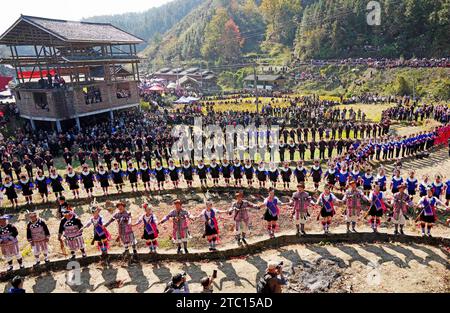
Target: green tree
point(213, 34)
point(282, 17)
point(402, 87)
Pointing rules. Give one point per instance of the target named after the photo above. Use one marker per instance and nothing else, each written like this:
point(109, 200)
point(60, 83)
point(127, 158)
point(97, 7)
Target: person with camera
point(273, 279)
point(178, 284)
point(207, 283)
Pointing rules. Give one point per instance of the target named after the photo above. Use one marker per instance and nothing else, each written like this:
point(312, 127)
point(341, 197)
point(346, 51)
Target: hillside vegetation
point(222, 32)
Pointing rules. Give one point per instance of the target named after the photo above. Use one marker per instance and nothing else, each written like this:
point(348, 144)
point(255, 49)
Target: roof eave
point(64, 39)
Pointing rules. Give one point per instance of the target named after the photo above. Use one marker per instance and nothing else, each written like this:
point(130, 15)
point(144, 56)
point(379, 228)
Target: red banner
point(4, 80)
point(35, 74)
point(443, 135)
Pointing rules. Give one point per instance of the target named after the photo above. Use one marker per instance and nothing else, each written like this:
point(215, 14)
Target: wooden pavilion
point(68, 70)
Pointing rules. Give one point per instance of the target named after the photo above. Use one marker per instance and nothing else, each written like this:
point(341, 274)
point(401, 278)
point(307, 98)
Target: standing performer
point(160, 174)
point(117, 177)
point(209, 216)
point(261, 174)
point(214, 171)
point(300, 173)
point(9, 244)
point(132, 175)
point(173, 174)
point(326, 201)
point(226, 172)
point(400, 202)
point(286, 174)
point(144, 172)
point(150, 222)
point(377, 207)
point(367, 181)
point(427, 215)
point(202, 172)
point(72, 179)
point(103, 178)
point(353, 197)
point(56, 183)
point(26, 186)
point(343, 176)
point(300, 202)
point(249, 171)
point(237, 173)
point(187, 171)
point(273, 174)
point(272, 205)
point(331, 176)
point(424, 185)
point(42, 185)
point(355, 175)
point(397, 180)
point(316, 174)
point(38, 236)
point(126, 235)
point(10, 190)
point(438, 187)
point(88, 179)
point(411, 184)
point(71, 228)
point(101, 234)
point(381, 179)
point(241, 217)
point(180, 233)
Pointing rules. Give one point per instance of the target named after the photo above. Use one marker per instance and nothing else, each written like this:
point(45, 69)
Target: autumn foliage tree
point(231, 42)
point(223, 40)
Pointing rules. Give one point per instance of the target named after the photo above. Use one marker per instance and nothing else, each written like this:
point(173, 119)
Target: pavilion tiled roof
point(70, 31)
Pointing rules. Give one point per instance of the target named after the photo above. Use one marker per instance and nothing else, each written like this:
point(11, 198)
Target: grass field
point(373, 111)
point(248, 104)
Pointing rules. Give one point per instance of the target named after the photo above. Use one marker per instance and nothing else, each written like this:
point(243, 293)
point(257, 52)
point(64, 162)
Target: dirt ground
point(162, 204)
point(309, 268)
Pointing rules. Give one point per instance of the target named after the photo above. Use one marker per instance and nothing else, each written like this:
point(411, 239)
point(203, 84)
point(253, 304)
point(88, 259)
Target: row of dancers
point(301, 208)
point(337, 175)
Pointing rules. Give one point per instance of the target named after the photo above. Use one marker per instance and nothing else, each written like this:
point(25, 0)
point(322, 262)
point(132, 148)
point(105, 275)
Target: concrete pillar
point(77, 120)
point(33, 126)
point(58, 126)
point(111, 116)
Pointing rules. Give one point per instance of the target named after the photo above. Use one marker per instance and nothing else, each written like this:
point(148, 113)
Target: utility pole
point(256, 87)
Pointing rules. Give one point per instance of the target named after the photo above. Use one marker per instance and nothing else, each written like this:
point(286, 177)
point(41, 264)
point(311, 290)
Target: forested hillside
point(153, 22)
point(226, 31)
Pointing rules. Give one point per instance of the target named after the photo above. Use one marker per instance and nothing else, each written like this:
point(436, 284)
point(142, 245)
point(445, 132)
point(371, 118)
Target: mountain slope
point(152, 22)
point(305, 29)
point(186, 41)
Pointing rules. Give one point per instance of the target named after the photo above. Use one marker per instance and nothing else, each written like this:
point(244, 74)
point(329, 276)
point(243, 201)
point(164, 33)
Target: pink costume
point(9, 243)
point(401, 203)
point(241, 216)
point(71, 229)
point(353, 201)
point(38, 235)
point(301, 200)
point(180, 231)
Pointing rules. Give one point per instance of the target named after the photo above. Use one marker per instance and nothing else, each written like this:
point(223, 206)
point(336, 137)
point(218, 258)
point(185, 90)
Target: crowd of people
point(384, 63)
point(139, 150)
point(135, 152)
point(440, 113)
point(398, 207)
